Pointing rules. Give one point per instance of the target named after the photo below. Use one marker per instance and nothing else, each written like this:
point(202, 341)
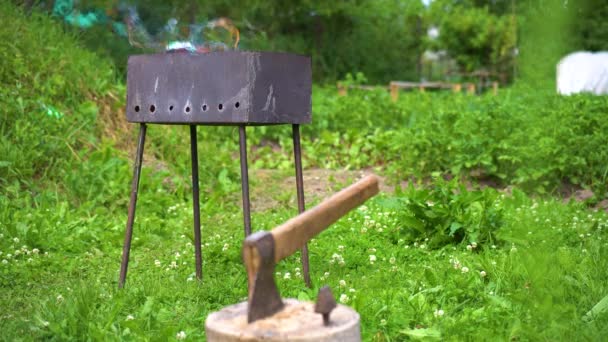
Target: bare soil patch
point(277, 188)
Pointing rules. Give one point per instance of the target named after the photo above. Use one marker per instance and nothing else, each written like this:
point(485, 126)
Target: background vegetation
point(384, 39)
point(481, 239)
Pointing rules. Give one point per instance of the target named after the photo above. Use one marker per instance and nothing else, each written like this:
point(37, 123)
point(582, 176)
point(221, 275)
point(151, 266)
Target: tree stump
point(296, 322)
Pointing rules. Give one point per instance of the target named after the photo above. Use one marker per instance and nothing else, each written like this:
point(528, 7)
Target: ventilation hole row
point(187, 109)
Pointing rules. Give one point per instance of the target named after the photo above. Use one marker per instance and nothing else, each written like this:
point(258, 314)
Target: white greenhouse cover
point(581, 72)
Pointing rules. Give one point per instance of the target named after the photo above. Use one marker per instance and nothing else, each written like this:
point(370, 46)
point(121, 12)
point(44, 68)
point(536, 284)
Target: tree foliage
point(590, 25)
point(383, 39)
point(475, 36)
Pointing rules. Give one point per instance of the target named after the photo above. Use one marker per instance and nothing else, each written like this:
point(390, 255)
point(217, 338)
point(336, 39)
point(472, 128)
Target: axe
point(262, 250)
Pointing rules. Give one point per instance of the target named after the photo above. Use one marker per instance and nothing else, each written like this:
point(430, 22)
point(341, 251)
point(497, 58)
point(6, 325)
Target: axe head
point(259, 258)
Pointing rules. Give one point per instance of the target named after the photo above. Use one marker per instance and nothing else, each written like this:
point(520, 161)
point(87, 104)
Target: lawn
point(477, 235)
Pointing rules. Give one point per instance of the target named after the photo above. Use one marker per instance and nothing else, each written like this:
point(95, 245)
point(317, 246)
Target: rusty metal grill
point(219, 88)
point(227, 88)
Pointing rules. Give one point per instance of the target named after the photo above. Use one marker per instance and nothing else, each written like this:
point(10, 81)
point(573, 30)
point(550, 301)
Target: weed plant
point(531, 138)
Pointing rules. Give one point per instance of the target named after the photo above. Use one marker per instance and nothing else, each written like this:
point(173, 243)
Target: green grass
point(544, 272)
point(530, 138)
point(64, 190)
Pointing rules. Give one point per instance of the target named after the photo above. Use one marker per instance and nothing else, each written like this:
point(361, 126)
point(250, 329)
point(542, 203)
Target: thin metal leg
point(132, 204)
point(245, 180)
point(196, 204)
point(297, 153)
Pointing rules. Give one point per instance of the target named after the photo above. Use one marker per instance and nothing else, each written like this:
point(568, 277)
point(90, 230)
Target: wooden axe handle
point(296, 232)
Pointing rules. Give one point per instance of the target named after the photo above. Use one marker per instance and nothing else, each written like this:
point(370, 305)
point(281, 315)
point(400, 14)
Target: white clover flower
point(298, 275)
point(438, 313)
point(344, 298)
point(287, 275)
point(326, 274)
point(60, 298)
point(30, 260)
point(493, 246)
point(173, 264)
point(181, 335)
point(474, 244)
point(177, 255)
point(483, 274)
point(16, 240)
point(464, 269)
point(351, 290)
point(341, 248)
point(372, 259)
point(469, 247)
point(4, 261)
point(382, 322)
point(45, 323)
point(35, 251)
point(297, 269)
point(392, 260)
point(337, 257)
point(157, 263)
point(373, 250)
point(225, 248)
point(342, 283)
point(129, 318)
point(363, 230)
point(513, 249)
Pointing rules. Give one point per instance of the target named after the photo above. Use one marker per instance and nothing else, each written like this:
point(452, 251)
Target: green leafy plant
point(448, 213)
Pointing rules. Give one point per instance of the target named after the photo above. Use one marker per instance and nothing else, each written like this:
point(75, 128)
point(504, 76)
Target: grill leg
point(245, 180)
point(196, 203)
point(132, 204)
point(297, 153)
